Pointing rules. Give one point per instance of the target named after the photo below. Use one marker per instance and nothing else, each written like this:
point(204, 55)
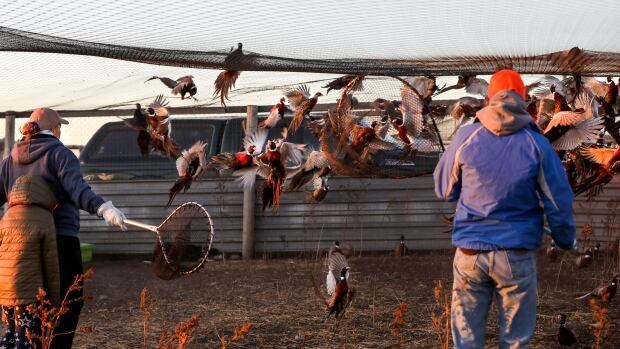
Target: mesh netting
point(184, 241)
point(561, 62)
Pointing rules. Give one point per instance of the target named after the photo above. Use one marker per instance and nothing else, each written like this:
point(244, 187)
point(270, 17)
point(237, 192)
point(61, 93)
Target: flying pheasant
point(275, 115)
point(190, 165)
point(608, 161)
point(273, 166)
point(300, 99)
point(183, 85)
point(139, 123)
point(160, 128)
point(342, 82)
point(316, 166)
point(568, 130)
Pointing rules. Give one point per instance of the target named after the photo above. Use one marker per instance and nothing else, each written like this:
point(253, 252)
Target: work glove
point(112, 215)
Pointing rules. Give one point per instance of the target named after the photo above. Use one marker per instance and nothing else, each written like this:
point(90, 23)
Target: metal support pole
point(249, 196)
point(9, 134)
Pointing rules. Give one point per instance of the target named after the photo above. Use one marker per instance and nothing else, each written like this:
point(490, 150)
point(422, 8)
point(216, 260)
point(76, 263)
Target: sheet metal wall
point(368, 214)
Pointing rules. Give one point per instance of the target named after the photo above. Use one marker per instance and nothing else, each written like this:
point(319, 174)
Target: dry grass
point(440, 316)
point(50, 315)
point(277, 298)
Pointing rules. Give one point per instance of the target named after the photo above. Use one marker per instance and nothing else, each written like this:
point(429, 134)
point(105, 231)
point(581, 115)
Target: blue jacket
point(505, 176)
point(46, 156)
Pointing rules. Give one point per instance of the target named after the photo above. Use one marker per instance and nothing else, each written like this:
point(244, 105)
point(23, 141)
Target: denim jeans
point(509, 277)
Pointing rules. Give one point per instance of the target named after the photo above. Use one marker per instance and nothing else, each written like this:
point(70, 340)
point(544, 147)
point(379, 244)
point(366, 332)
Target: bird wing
point(246, 177)
point(297, 96)
point(594, 86)
point(335, 263)
point(167, 81)
point(183, 83)
point(420, 83)
point(316, 160)
point(257, 139)
point(187, 156)
point(599, 155)
point(477, 86)
point(564, 118)
point(585, 131)
point(159, 102)
point(381, 130)
point(411, 108)
point(138, 121)
point(541, 87)
point(185, 79)
point(291, 152)
point(330, 282)
point(272, 118)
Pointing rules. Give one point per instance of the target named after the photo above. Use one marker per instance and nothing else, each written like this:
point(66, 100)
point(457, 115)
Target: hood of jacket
point(32, 190)
point(29, 151)
point(505, 114)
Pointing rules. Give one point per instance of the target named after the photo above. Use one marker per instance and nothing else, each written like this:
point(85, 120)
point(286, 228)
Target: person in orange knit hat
point(506, 178)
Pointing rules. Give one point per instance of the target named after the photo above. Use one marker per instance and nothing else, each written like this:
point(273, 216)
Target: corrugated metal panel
point(370, 214)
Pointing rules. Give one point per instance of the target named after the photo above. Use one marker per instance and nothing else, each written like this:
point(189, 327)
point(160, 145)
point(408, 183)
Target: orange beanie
point(506, 80)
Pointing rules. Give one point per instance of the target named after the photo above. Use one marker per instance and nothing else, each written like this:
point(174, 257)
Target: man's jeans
point(507, 276)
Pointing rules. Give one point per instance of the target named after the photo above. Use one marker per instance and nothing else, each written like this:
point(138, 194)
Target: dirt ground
point(276, 297)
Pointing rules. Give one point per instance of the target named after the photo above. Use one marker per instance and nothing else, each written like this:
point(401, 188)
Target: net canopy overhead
point(440, 38)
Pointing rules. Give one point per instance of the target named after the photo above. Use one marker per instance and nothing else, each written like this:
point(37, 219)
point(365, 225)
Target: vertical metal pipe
point(249, 196)
point(9, 132)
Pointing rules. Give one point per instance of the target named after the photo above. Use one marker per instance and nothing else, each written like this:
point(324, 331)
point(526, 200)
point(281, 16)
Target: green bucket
point(87, 252)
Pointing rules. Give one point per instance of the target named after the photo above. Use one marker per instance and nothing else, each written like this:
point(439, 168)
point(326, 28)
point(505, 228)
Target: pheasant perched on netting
point(225, 81)
point(183, 85)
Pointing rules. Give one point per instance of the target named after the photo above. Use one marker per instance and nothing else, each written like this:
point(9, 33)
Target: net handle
point(136, 224)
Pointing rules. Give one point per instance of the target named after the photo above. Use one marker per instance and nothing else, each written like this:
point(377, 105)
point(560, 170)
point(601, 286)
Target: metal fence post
point(9, 134)
point(249, 196)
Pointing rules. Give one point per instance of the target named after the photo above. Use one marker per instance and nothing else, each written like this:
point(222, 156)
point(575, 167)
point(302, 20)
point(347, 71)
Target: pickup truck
point(113, 153)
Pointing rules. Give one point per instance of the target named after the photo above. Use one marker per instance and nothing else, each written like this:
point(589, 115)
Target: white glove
point(112, 215)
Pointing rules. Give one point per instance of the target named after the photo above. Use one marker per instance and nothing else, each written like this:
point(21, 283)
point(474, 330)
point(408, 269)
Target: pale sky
point(310, 29)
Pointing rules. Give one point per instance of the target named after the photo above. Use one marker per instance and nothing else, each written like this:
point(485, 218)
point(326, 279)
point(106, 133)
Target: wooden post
point(9, 134)
point(249, 196)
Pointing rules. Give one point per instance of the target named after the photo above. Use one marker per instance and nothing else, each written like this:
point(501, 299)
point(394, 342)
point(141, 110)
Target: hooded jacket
point(28, 255)
point(505, 177)
point(46, 156)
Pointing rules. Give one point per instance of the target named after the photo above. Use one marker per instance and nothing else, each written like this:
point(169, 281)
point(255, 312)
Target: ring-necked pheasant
point(604, 292)
point(566, 337)
point(183, 85)
point(401, 249)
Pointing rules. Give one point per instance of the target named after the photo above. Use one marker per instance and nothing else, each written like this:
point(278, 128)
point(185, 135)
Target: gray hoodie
point(47, 157)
